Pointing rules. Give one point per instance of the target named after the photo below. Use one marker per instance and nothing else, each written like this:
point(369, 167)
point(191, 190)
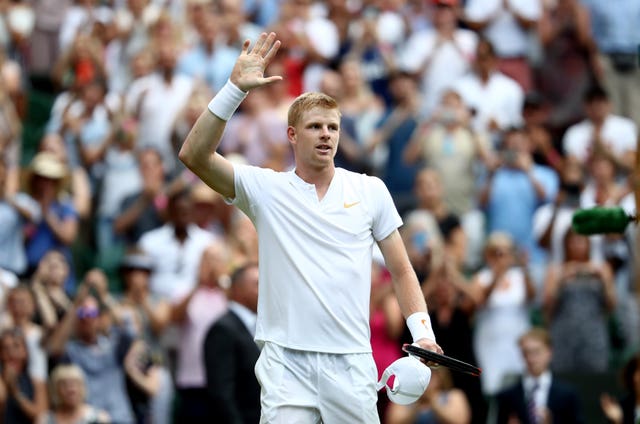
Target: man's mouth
point(324, 148)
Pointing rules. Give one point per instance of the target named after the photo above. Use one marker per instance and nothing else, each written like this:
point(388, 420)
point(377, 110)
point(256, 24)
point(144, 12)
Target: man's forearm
point(202, 141)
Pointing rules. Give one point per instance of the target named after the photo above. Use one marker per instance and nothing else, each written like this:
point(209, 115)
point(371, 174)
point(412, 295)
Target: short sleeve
point(251, 182)
point(385, 215)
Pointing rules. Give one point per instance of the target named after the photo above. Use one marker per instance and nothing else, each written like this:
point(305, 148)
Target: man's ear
point(291, 135)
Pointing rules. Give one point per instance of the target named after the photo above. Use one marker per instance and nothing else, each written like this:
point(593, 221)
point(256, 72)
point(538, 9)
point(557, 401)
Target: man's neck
point(320, 178)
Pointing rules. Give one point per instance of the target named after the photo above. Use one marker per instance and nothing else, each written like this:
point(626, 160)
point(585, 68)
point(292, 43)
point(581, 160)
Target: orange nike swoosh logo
point(349, 205)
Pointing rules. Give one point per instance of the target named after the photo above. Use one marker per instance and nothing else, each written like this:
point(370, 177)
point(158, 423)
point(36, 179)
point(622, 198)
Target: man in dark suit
point(230, 354)
point(538, 397)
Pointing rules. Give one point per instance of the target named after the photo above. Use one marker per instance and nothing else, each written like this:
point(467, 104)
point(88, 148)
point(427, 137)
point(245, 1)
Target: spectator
point(144, 211)
point(440, 55)
point(502, 290)
point(569, 52)
point(394, 131)
point(617, 43)
point(538, 396)
point(429, 195)
point(495, 100)
point(20, 313)
point(98, 351)
point(45, 49)
point(625, 411)
point(79, 187)
point(602, 132)
point(452, 308)
point(195, 311)
point(48, 287)
point(441, 403)
point(16, 211)
point(447, 144)
point(604, 190)
point(230, 353)
point(157, 99)
point(209, 60)
point(68, 393)
point(509, 25)
point(175, 248)
point(552, 220)
point(578, 296)
point(149, 381)
point(514, 191)
point(58, 228)
point(22, 397)
point(120, 179)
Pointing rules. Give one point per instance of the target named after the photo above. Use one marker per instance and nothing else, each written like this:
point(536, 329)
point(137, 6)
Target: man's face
point(315, 137)
point(536, 354)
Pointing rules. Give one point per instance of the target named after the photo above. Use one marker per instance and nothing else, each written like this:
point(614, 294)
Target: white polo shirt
point(315, 256)
point(618, 132)
point(505, 33)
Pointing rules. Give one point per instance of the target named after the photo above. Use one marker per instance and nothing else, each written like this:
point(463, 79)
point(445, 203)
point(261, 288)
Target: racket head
point(442, 360)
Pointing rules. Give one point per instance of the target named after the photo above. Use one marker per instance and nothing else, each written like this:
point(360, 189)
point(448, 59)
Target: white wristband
point(419, 324)
point(227, 101)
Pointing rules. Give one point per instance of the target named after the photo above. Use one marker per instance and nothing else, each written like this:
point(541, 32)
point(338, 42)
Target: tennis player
point(316, 228)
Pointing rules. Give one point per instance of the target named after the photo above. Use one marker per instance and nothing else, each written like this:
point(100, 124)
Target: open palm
point(248, 72)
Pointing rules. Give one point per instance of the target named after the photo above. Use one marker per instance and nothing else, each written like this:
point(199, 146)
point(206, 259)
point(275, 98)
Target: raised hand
point(248, 72)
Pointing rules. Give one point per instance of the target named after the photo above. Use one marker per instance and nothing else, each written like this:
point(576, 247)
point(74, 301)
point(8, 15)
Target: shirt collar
point(247, 316)
point(543, 380)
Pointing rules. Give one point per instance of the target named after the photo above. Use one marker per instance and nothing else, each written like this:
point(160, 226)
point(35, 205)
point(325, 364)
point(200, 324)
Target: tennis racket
point(442, 360)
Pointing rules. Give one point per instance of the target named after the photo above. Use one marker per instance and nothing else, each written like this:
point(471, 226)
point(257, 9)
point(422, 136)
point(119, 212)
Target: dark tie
point(531, 404)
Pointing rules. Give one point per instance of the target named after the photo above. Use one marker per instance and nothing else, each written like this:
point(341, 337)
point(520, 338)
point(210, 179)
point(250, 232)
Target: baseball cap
point(409, 378)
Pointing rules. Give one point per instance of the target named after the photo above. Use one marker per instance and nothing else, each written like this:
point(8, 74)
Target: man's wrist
point(226, 101)
point(419, 324)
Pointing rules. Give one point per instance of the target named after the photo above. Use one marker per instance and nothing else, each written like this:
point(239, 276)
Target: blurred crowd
point(490, 121)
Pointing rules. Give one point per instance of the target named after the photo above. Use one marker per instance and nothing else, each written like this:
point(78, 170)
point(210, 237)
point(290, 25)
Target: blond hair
point(65, 372)
point(307, 101)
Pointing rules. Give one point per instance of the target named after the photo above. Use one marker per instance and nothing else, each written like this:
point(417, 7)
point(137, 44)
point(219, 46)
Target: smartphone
point(420, 241)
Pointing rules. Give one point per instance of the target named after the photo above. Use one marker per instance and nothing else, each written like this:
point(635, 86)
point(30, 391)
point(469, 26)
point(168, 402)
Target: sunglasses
point(84, 313)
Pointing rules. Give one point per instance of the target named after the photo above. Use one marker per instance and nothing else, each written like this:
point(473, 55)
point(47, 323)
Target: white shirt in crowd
point(500, 99)
point(505, 33)
point(175, 265)
point(619, 133)
point(447, 62)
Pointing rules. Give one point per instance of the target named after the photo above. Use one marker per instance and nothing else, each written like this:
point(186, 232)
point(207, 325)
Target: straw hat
point(46, 164)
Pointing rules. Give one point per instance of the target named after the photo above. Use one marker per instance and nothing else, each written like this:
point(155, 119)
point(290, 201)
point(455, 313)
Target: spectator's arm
point(411, 153)
point(159, 315)
point(131, 214)
point(31, 408)
point(65, 230)
point(56, 343)
point(550, 290)
point(81, 191)
point(149, 383)
point(178, 312)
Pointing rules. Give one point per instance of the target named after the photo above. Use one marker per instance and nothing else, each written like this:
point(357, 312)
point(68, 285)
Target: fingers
point(266, 46)
point(272, 51)
point(245, 46)
point(259, 43)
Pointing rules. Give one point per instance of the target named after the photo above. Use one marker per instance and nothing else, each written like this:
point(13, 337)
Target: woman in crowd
point(68, 399)
point(502, 292)
point(22, 397)
point(578, 296)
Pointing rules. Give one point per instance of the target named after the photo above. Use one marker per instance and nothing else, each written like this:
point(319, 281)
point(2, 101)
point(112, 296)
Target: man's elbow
point(184, 155)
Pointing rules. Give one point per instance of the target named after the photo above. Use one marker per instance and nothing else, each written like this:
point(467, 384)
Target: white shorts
point(300, 387)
